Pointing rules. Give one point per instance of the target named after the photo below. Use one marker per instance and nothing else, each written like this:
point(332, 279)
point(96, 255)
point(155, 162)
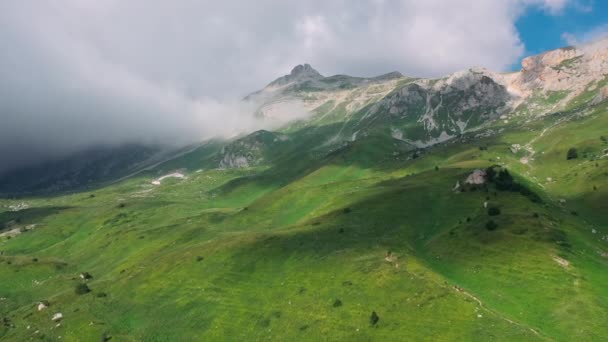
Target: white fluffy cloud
point(79, 72)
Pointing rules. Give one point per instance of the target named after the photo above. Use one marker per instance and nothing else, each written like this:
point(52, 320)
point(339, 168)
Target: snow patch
point(171, 175)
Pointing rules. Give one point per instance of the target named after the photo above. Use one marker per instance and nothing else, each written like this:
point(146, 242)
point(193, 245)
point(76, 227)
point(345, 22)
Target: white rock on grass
point(57, 317)
point(477, 177)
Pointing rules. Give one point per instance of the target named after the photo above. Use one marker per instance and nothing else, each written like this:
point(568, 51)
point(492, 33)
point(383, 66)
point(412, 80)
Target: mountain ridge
point(417, 112)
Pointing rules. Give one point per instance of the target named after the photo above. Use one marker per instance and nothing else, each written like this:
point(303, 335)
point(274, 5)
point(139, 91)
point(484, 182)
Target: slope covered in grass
point(246, 254)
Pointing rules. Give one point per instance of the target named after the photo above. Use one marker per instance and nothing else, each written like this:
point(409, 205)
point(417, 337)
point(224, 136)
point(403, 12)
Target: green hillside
point(319, 235)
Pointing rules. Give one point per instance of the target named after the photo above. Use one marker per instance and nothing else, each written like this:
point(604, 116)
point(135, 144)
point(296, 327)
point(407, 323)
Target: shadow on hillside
point(393, 218)
point(14, 219)
point(379, 153)
point(408, 213)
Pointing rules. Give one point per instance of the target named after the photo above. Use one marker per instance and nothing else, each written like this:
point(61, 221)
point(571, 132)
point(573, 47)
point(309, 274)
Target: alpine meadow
point(469, 207)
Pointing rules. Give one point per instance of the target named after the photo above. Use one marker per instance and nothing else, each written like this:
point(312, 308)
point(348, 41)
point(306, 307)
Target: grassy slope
point(278, 248)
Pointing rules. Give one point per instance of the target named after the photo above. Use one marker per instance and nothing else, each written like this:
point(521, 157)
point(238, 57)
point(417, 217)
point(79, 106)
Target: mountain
point(469, 207)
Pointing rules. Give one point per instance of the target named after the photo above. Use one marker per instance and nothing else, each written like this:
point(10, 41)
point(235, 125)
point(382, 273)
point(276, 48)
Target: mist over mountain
point(77, 75)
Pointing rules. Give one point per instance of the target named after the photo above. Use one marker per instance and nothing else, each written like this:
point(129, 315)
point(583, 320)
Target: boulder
point(477, 177)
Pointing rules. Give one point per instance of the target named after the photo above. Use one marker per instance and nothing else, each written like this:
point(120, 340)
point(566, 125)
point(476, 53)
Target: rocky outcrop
point(434, 111)
point(477, 177)
point(570, 70)
point(299, 73)
point(424, 112)
point(601, 96)
point(248, 151)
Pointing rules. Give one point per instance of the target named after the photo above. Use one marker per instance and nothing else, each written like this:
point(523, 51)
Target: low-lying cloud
point(77, 73)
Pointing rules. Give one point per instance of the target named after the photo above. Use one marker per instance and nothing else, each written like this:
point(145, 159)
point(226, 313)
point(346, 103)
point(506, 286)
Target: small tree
point(374, 318)
point(504, 180)
point(493, 211)
point(491, 225)
point(82, 289)
point(490, 174)
point(572, 154)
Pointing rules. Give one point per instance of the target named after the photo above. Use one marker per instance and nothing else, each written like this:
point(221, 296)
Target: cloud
point(579, 38)
point(76, 73)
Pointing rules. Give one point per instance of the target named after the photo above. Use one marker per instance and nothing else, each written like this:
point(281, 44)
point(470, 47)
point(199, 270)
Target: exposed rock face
point(570, 69)
point(231, 161)
point(423, 112)
point(389, 76)
point(298, 73)
point(601, 96)
point(447, 107)
point(477, 177)
point(248, 151)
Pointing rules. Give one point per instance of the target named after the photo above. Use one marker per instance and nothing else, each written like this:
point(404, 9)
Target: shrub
point(337, 303)
point(493, 211)
point(491, 225)
point(200, 258)
point(436, 168)
point(374, 318)
point(504, 181)
point(86, 275)
point(102, 295)
point(82, 289)
point(572, 154)
point(347, 210)
point(490, 174)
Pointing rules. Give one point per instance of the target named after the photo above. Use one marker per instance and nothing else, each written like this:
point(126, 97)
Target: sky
point(80, 73)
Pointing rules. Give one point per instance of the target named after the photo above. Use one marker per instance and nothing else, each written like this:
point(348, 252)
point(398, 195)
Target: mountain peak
point(301, 72)
point(304, 70)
